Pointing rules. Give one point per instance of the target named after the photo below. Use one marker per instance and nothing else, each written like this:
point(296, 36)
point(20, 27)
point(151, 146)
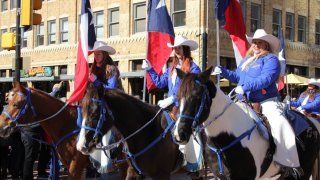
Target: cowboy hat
point(183, 41)
point(261, 34)
point(102, 46)
point(313, 81)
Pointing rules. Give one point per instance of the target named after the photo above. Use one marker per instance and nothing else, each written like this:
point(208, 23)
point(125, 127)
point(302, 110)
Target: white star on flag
point(161, 4)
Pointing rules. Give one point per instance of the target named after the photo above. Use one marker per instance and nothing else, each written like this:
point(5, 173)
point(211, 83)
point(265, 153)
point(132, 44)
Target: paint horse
point(232, 135)
point(32, 105)
point(146, 130)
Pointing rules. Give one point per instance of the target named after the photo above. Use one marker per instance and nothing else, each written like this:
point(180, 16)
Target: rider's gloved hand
point(239, 90)
point(166, 102)
point(92, 77)
point(300, 109)
point(216, 71)
point(146, 64)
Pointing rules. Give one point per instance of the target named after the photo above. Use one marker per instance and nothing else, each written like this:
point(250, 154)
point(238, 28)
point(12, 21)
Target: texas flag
point(229, 14)
point(160, 32)
point(282, 60)
point(87, 37)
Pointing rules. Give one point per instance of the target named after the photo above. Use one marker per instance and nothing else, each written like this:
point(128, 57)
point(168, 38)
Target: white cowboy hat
point(261, 34)
point(102, 46)
point(313, 81)
point(183, 41)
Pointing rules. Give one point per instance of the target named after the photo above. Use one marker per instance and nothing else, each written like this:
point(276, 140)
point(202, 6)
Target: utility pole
point(18, 44)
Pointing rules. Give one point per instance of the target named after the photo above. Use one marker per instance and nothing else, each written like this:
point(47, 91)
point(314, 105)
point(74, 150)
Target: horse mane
point(138, 103)
point(188, 84)
point(42, 93)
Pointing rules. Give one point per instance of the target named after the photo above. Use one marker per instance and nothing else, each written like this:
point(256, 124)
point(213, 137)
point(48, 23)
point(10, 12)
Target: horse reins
point(130, 156)
point(104, 108)
point(25, 106)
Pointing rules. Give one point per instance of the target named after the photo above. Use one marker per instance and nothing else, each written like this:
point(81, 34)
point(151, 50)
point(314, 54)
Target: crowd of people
point(256, 78)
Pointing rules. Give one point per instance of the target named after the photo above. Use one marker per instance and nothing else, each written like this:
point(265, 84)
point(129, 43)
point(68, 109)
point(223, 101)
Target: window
point(179, 13)
point(13, 29)
point(317, 40)
point(255, 17)
point(52, 32)
point(290, 26)
point(24, 38)
point(276, 22)
point(3, 73)
point(317, 72)
point(4, 5)
point(299, 70)
point(243, 5)
point(98, 23)
point(40, 35)
point(113, 24)
point(63, 69)
point(137, 65)
point(139, 11)
point(2, 32)
point(302, 29)
point(13, 4)
point(64, 28)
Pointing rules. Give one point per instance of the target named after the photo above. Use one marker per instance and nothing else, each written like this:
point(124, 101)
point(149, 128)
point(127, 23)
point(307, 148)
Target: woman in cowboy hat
point(256, 77)
point(309, 101)
point(182, 59)
point(103, 70)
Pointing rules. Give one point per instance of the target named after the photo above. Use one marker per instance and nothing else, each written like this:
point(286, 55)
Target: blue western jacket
point(166, 81)
point(259, 80)
point(312, 106)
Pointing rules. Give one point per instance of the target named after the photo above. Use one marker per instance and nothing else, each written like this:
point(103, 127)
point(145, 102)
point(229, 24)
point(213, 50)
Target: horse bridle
point(102, 118)
point(23, 108)
point(205, 103)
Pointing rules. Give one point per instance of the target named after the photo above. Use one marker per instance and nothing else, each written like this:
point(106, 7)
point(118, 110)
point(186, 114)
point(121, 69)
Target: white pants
point(286, 153)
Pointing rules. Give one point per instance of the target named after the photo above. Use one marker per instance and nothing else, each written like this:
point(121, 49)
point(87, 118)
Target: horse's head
point(195, 101)
point(17, 111)
point(96, 116)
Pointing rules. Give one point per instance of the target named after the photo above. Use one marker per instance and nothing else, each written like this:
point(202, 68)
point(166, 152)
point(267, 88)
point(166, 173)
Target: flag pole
point(145, 73)
point(218, 50)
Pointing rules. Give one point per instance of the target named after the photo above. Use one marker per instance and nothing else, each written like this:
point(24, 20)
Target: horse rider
point(104, 72)
point(256, 78)
point(182, 59)
point(309, 101)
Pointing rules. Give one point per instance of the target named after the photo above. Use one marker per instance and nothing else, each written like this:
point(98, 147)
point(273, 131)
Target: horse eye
point(15, 105)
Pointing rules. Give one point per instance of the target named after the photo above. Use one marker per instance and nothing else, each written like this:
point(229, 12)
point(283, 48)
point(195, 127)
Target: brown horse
point(33, 100)
point(146, 130)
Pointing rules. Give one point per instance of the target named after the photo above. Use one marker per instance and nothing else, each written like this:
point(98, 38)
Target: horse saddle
point(297, 120)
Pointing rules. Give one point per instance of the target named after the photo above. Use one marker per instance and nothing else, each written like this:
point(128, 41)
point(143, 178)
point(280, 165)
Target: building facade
point(52, 46)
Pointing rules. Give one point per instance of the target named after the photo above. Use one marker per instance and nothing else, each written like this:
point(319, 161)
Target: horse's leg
point(316, 169)
point(77, 167)
point(162, 177)
point(132, 175)
point(123, 167)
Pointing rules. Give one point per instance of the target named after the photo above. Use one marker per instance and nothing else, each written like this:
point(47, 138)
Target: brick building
point(122, 24)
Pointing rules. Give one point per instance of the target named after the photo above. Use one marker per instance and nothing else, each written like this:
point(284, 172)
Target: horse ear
point(180, 73)
point(204, 76)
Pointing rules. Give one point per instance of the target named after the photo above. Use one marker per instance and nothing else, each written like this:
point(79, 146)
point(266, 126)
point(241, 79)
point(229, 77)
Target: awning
point(134, 74)
point(295, 79)
point(37, 79)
